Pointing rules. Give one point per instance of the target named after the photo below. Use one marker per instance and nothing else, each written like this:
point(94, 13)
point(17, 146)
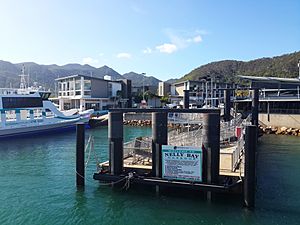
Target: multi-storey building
point(85, 92)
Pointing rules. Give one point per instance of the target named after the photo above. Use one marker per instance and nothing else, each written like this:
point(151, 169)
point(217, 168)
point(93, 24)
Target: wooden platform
point(145, 165)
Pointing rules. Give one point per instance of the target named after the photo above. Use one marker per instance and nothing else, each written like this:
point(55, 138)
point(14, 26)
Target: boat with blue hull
point(25, 112)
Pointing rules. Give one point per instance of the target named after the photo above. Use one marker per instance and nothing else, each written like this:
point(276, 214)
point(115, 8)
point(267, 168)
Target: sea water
point(37, 185)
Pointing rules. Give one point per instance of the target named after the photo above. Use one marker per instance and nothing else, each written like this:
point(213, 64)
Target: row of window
point(71, 85)
point(71, 93)
point(21, 102)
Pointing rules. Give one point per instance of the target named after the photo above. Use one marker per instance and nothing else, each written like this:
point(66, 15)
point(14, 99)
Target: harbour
point(40, 187)
point(149, 113)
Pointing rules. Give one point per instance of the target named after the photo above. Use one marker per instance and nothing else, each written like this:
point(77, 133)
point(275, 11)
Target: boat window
point(21, 102)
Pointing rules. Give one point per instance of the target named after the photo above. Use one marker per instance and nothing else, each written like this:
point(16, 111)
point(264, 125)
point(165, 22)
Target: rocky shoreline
point(140, 123)
point(279, 130)
point(263, 129)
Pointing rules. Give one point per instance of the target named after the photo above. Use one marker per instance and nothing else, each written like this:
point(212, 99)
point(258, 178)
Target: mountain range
point(45, 75)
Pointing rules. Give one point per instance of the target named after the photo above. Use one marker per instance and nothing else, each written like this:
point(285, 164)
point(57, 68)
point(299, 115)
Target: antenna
point(23, 84)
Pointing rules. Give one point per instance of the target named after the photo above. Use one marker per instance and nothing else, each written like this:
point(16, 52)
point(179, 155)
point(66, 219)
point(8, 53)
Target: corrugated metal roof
point(271, 79)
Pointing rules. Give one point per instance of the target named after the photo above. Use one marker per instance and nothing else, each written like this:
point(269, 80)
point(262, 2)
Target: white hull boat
point(27, 114)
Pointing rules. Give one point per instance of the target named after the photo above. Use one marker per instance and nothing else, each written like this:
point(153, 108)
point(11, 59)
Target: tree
point(164, 100)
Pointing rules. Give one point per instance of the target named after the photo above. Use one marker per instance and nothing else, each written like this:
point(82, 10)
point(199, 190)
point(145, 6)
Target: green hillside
point(279, 66)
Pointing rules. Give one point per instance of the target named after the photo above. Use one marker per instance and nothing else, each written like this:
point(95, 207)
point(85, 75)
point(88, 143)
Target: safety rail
point(185, 118)
point(139, 149)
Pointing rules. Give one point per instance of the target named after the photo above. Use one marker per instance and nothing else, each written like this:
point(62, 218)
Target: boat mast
point(23, 84)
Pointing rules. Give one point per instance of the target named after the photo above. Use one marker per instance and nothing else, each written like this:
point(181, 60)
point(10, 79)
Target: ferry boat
point(27, 110)
point(23, 114)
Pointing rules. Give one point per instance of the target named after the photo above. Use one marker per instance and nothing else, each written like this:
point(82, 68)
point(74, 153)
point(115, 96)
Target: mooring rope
point(126, 185)
point(90, 149)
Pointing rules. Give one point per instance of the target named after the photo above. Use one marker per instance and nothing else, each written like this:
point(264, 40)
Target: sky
point(162, 38)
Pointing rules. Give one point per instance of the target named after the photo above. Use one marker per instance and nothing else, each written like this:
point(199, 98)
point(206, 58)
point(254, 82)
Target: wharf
point(142, 165)
point(213, 163)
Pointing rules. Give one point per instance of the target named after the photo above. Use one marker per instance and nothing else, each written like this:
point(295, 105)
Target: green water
point(37, 184)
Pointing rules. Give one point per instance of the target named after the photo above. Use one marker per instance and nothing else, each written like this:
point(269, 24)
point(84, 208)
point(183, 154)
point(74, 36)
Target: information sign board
point(182, 163)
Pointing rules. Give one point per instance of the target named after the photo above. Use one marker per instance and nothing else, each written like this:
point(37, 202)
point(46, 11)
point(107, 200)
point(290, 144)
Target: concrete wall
point(99, 89)
point(281, 120)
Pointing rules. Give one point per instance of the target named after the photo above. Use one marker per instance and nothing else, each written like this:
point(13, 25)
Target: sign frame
point(186, 161)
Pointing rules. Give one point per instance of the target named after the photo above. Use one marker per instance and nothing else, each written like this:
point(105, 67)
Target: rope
point(126, 185)
point(89, 154)
point(87, 145)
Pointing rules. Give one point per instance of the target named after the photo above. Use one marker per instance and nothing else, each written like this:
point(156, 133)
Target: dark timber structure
point(212, 181)
point(80, 154)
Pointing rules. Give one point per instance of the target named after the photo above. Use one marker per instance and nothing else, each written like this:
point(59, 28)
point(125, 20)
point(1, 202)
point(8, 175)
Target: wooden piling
point(249, 179)
point(159, 138)
point(255, 104)
point(186, 99)
point(227, 104)
point(80, 138)
point(115, 138)
point(211, 144)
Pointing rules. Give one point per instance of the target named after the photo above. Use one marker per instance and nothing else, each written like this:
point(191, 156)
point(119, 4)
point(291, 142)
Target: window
point(21, 102)
point(87, 85)
point(77, 85)
point(87, 92)
point(71, 85)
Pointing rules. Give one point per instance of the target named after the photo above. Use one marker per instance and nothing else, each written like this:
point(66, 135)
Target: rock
point(283, 129)
point(274, 129)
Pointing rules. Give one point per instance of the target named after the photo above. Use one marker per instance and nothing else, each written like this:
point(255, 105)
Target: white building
point(85, 92)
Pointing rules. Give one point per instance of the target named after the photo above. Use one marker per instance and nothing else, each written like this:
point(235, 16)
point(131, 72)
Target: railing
point(8, 91)
point(187, 118)
point(238, 153)
point(187, 138)
point(139, 149)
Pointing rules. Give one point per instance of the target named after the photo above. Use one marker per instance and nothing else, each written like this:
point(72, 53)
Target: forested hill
point(279, 66)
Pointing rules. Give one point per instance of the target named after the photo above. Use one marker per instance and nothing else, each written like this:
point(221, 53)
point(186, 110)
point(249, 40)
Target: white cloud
point(147, 50)
point(167, 48)
point(178, 39)
point(89, 60)
point(101, 54)
point(197, 39)
point(123, 55)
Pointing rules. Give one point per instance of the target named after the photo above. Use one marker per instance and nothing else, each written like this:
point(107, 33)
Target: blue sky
point(163, 38)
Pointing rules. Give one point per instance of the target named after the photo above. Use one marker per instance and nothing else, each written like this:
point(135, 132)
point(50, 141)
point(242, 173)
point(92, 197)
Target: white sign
point(182, 163)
